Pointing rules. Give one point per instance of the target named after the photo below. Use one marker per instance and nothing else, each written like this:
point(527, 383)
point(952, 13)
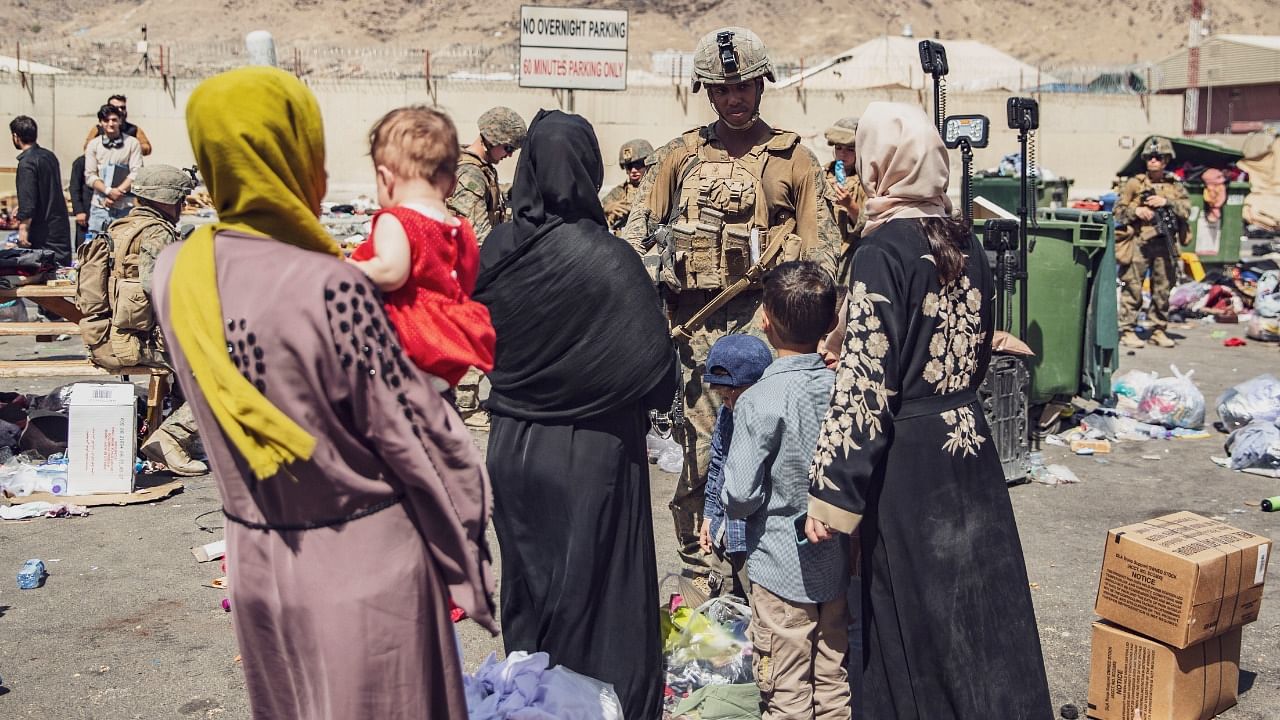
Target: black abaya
point(583, 353)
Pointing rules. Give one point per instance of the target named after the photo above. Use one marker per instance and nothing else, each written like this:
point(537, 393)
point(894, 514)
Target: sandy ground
point(125, 627)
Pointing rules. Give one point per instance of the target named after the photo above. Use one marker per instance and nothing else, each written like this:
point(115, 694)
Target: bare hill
point(98, 37)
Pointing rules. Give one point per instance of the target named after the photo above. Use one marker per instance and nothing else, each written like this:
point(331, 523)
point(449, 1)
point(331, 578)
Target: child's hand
point(704, 536)
point(816, 530)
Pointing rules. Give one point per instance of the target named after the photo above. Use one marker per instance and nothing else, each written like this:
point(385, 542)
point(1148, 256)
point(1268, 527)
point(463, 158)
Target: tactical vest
point(493, 194)
point(723, 218)
point(119, 325)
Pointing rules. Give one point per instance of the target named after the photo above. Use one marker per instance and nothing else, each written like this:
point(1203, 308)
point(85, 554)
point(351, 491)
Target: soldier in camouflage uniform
point(478, 198)
point(137, 239)
point(728, 192)
point(618, 203)
point(845, 200)
point(1140, 248)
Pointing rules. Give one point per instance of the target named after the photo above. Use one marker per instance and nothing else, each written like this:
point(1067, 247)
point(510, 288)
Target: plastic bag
point(712, 649)
point(1266, 300)
point(522, 686)
point(1263, 328)
point(1133, 383)
point(1173, 402)
point(1256, 399)
point(664, 451)
point(1187, 294)
point(1255, 445)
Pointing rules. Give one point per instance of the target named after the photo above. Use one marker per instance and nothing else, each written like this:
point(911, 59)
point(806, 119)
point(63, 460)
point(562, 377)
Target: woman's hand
point(816, 530)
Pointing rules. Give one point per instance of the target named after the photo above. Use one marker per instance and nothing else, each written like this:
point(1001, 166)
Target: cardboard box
point(1182, 578)
point(1129, 672)
point(101, 438)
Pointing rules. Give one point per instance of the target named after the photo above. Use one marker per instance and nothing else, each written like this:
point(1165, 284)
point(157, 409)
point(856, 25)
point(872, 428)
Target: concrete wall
point(1080, 137)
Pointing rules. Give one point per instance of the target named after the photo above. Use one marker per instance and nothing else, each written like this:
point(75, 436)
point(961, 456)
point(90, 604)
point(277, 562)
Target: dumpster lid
point(1196, 152)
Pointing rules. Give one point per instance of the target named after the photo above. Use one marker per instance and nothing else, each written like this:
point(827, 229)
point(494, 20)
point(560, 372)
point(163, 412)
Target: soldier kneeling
point(114, 293)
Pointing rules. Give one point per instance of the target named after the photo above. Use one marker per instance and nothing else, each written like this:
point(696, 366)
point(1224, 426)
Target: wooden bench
point(43, 331)
point(54, 298)
point(157, 387)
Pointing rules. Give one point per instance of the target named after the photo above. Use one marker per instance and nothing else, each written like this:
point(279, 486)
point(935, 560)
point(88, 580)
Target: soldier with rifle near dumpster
point(721, 205)
point(1151, 221)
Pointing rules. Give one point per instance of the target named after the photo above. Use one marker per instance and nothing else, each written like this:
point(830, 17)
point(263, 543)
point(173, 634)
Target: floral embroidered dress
point(905, 453)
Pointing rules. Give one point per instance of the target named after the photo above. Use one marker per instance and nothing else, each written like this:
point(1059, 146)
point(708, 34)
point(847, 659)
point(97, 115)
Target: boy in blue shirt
point(799, 625)
point(734, 364)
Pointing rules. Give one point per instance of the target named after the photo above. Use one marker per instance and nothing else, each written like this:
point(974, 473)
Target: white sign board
point(573, 48)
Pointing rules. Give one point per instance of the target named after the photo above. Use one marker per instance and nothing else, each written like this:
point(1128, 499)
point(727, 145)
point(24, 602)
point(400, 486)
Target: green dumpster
point(1003, 191)
point(1071, 305)
point(1215, 245)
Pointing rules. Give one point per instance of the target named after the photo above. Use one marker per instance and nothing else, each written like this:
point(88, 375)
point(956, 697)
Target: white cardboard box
point(101, 438)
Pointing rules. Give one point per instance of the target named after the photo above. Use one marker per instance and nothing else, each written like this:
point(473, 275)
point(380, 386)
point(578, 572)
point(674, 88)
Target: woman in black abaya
point(583, 354)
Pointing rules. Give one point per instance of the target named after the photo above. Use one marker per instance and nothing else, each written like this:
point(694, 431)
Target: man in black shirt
point(42, 209)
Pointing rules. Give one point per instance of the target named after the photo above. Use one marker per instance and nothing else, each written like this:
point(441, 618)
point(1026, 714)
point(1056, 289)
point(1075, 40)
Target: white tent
point(895, 62)
point(11, 65)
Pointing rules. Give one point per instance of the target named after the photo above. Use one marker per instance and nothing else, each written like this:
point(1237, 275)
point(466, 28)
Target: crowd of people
point(813, 336)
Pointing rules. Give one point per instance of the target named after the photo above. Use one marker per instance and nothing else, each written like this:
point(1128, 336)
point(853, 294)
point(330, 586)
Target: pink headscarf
point(902, 163)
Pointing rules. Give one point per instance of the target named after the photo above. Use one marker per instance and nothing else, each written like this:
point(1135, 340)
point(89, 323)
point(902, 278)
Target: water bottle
point(838, 170)
point(31, 575)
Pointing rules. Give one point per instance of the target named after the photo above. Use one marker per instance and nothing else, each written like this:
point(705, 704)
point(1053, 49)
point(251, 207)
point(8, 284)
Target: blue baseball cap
point(737, 360)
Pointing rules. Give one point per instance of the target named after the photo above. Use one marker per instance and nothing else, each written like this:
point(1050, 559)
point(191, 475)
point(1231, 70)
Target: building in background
point(1237, 88)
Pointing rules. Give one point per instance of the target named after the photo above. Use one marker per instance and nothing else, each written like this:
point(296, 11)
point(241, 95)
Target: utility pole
point(1191, 120)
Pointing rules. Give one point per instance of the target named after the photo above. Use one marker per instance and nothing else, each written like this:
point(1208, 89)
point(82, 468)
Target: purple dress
point(339, 617)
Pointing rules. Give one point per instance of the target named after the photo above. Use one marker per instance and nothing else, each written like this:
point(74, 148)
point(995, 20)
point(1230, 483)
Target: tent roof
point(894, 61)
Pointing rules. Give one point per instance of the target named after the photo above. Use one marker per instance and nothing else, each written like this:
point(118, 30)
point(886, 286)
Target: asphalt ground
point(125, 626)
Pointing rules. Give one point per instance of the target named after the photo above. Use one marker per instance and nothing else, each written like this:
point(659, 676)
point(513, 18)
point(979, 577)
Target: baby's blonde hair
point(417, 142)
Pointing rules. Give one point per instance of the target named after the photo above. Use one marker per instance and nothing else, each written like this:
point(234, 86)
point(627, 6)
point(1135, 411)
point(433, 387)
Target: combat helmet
point(634, 151)
point(730, 55)
point(842, 132)
point(1159, 146)
point(163, 184)
point(503, 126)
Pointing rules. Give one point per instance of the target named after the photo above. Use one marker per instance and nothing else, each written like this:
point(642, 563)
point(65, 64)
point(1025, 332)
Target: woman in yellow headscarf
point(355, 498)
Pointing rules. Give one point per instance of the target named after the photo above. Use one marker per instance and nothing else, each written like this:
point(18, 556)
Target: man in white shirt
point(110, 163)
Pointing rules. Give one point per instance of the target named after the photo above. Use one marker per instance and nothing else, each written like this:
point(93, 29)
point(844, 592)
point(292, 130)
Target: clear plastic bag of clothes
point(1173, 402)
point(1187, 294)
point(1256, 399)
point(712, 648)
point(1131, 384)
point(1256, 445)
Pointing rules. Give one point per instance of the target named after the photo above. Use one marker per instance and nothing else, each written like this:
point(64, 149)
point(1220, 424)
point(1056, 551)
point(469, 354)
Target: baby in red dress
point(423, 258)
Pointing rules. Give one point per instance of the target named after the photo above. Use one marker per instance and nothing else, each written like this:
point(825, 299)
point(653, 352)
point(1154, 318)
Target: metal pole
point(1023, 214)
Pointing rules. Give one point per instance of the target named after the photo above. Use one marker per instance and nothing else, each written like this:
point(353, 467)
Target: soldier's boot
point(165, 449)
point(1130, 339)
point(1159, 338)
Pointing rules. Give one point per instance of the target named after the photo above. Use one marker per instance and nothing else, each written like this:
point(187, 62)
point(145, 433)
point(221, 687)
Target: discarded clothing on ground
point(1256, 445)
point(1252, 400)
point(522, 687)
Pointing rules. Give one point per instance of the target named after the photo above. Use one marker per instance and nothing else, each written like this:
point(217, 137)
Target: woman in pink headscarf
point(905, 454)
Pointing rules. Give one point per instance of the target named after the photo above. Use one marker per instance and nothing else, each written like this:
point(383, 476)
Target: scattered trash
point(1090, 447)
point(1256, 445)
point(1255, 399)
point(521, 685)
point(32, 575)
point(1069, 712)
point(664, 451)
point(1270, 504)
point(1173, 402)
point(1133, 383)
point(41, 509)
point(1234, 342)
point(1054, 475)
point(210, 552)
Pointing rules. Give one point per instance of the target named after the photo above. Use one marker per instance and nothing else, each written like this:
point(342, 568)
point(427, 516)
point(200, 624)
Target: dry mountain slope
point(1052, 33)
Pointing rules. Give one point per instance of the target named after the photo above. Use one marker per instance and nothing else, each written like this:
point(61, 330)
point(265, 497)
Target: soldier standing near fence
point(1151, 222)
point(620, 200)
point(478, 198)
point(730, 199)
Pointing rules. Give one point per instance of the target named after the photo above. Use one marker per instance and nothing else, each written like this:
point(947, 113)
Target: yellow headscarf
point(259, 142)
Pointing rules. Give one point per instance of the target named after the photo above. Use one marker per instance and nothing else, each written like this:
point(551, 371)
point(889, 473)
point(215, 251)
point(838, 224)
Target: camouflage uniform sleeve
point(815, 223)
point(153, 241)
point(616, 210)
point(1129, 201)
point(1180, 201)
point(640, 221)
point(860, 202)
point(469, 200)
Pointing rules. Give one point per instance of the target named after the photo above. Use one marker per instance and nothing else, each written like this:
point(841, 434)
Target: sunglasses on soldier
point(838, 146)
point(509, 148)
point(638, 165)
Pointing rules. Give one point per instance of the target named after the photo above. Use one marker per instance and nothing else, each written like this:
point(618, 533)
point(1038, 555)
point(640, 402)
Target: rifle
point(1167, 225)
